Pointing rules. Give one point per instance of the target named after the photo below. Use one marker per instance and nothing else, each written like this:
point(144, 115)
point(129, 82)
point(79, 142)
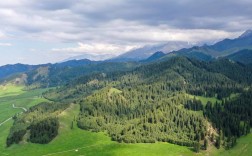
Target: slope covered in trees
point(150, 103)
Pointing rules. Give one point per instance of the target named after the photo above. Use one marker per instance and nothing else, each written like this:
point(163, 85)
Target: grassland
point(10, 90)
point(243, 148)
point(77, 142)
point(204, 100)
point(9, 95)
point(213, 100)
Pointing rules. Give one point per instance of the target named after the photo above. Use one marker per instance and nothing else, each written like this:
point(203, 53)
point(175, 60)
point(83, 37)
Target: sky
point(42, 31)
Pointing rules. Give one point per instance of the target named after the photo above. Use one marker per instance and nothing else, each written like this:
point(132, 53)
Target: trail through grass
point(9, 95)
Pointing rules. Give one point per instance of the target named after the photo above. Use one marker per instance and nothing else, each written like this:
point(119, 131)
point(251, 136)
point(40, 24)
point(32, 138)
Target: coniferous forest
point(154, 102)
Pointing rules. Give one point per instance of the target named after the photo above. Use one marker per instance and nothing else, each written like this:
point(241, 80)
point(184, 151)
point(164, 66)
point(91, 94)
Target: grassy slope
point(10, 90)
point(204, 100)
point(213, 100)
point(243, 148)
point(9, 95)
point(20, 98)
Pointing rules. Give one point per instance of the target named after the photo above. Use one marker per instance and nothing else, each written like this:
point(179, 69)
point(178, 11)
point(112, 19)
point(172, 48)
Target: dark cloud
point(186, 14)
point(53, 4)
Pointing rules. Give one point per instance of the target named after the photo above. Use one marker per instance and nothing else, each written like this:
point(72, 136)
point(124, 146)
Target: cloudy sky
point(41, 31)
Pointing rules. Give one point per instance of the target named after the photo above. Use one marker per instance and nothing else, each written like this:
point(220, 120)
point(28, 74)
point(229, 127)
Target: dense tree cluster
point(16, 137)
point(194, 105)
point(44, 131)
point(133, 116)
point(232, 117)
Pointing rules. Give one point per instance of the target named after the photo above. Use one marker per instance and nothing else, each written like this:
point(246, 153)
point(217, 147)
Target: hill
point(8, 70)
point(157, 55)
point(243, 56)
point(131, 105)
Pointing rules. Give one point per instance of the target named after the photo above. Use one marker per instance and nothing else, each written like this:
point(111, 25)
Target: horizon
point(40, 32)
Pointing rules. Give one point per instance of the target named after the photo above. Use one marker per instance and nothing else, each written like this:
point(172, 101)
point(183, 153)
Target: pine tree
point(197, 147)
point(218, 142)
point(205, 144)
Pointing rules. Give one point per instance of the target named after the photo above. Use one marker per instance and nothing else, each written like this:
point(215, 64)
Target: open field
point(204, 100)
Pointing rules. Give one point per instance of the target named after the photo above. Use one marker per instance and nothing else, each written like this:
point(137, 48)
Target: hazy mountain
point(75, 63)
point(146, 51)
point(247, 33)
point(205, 52)
point(8, 70)
point(90, 57)
point(220, 49)
point(154, 57)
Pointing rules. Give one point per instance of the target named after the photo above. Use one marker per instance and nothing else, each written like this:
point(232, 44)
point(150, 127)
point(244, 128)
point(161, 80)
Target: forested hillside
point(60, 74)
point(152, 103)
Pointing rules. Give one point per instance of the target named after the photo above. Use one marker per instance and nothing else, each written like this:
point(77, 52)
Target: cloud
point(113, 27)
point(91, 20)
point(6, 44)
point(94, 48)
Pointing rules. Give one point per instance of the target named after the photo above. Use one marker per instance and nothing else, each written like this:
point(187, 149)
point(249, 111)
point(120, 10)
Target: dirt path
point(5, 121)
point(13, 105)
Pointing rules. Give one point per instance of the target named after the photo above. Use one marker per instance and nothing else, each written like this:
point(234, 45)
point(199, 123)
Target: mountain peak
point(247, 33)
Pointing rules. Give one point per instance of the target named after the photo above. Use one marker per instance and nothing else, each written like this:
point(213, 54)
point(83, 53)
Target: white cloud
point(95, 49)
point(6, 44)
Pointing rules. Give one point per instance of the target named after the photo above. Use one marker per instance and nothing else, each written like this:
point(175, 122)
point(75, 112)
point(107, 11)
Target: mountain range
point(220, 49)
point(238, 49)
point(148, 50)
point(187, 97)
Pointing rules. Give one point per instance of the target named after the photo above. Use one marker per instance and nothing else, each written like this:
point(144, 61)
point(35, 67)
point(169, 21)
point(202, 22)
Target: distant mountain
point(205, 53)
point(60, 74)
point(8, 70)
point(220, 49)
point(247, 33)
point(75, 63)
point(154, 57)
point(229, 46)
point(147, 51)
point(243, 56)
point(90, 57)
